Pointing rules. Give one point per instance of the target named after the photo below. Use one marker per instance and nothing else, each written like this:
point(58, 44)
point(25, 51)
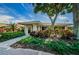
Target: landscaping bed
point(10, 35)
point(54, 34)
point(53, 46)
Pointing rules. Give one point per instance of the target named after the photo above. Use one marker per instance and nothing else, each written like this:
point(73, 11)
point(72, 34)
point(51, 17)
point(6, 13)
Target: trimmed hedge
point(9, 35)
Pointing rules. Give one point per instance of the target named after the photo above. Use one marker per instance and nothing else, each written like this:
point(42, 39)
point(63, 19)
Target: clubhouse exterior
point(37, 26)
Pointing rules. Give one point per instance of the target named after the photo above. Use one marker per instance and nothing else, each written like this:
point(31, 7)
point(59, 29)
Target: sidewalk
point(5, 49)
point(10, 42)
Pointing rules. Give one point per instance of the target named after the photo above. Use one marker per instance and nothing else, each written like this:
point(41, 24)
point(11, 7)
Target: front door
point(29, 29)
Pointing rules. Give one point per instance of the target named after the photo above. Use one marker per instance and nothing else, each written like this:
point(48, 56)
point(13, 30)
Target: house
point(37, 26)
point(34, 26)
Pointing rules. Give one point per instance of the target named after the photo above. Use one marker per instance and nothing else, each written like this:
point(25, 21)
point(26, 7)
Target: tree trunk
point(53, 20)
point(76, 20)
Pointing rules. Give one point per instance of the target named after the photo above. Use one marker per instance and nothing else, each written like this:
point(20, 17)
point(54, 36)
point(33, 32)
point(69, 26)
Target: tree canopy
point(53, 9)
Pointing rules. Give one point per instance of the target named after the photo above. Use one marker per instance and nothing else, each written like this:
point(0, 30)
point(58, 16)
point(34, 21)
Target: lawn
point(61, 47)
point(10, 35)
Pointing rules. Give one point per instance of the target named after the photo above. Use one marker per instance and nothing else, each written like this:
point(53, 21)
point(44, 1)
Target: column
point(26, 30)
point(34, 27)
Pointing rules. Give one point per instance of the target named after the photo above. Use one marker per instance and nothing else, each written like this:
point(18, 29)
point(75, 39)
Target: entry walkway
point(5, 49)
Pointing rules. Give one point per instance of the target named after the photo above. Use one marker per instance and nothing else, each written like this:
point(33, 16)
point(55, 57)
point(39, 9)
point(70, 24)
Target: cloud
point(9, 10)
point(45, 16)
point(62, 17)
point(6, 10)
point(10, 19)
point(5, 18)
point(3, 10)
point(23, 5)
point(22, 19)
point(30, 15)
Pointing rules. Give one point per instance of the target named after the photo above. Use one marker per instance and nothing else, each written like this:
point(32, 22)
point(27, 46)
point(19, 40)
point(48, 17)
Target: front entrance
point(30, 29)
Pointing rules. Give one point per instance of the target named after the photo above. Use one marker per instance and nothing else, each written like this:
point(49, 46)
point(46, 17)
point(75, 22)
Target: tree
point(13, 26)
point(75, 10)
point(76, 19)
point(50, 9)
point(56, 9)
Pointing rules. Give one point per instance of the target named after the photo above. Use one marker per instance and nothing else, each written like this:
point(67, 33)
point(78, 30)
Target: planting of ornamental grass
point(52, 46)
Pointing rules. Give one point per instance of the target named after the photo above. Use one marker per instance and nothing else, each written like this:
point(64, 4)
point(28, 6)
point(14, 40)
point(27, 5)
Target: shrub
point(67, 34)
point(60, 46)
point(32, 40)
point(9, 35)
point(57, 34)
point(75, 48)
point(41, 33)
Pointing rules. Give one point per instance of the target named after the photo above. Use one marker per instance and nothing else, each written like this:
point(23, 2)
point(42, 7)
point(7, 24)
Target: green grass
point(9, 35)
point(60, 47)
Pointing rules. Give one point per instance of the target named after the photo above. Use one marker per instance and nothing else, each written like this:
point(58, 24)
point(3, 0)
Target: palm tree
point(13, 26)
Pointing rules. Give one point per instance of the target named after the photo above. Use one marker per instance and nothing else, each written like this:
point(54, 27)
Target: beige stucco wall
point(39, 28)
point(26, 31)
point(34, 27)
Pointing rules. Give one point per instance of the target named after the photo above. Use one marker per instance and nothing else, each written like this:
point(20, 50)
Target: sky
point(24, 12)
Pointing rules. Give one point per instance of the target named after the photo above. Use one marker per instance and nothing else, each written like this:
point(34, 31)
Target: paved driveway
point(5, 49)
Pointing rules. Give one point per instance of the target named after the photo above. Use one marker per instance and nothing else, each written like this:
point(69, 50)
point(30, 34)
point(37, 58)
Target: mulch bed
point(31, 46)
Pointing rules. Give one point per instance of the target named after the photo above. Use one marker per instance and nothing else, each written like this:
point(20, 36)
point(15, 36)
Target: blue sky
point(20, 12)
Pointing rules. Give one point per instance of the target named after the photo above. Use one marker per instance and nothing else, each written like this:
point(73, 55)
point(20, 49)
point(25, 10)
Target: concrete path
point(5, 49)
point(10, 42)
